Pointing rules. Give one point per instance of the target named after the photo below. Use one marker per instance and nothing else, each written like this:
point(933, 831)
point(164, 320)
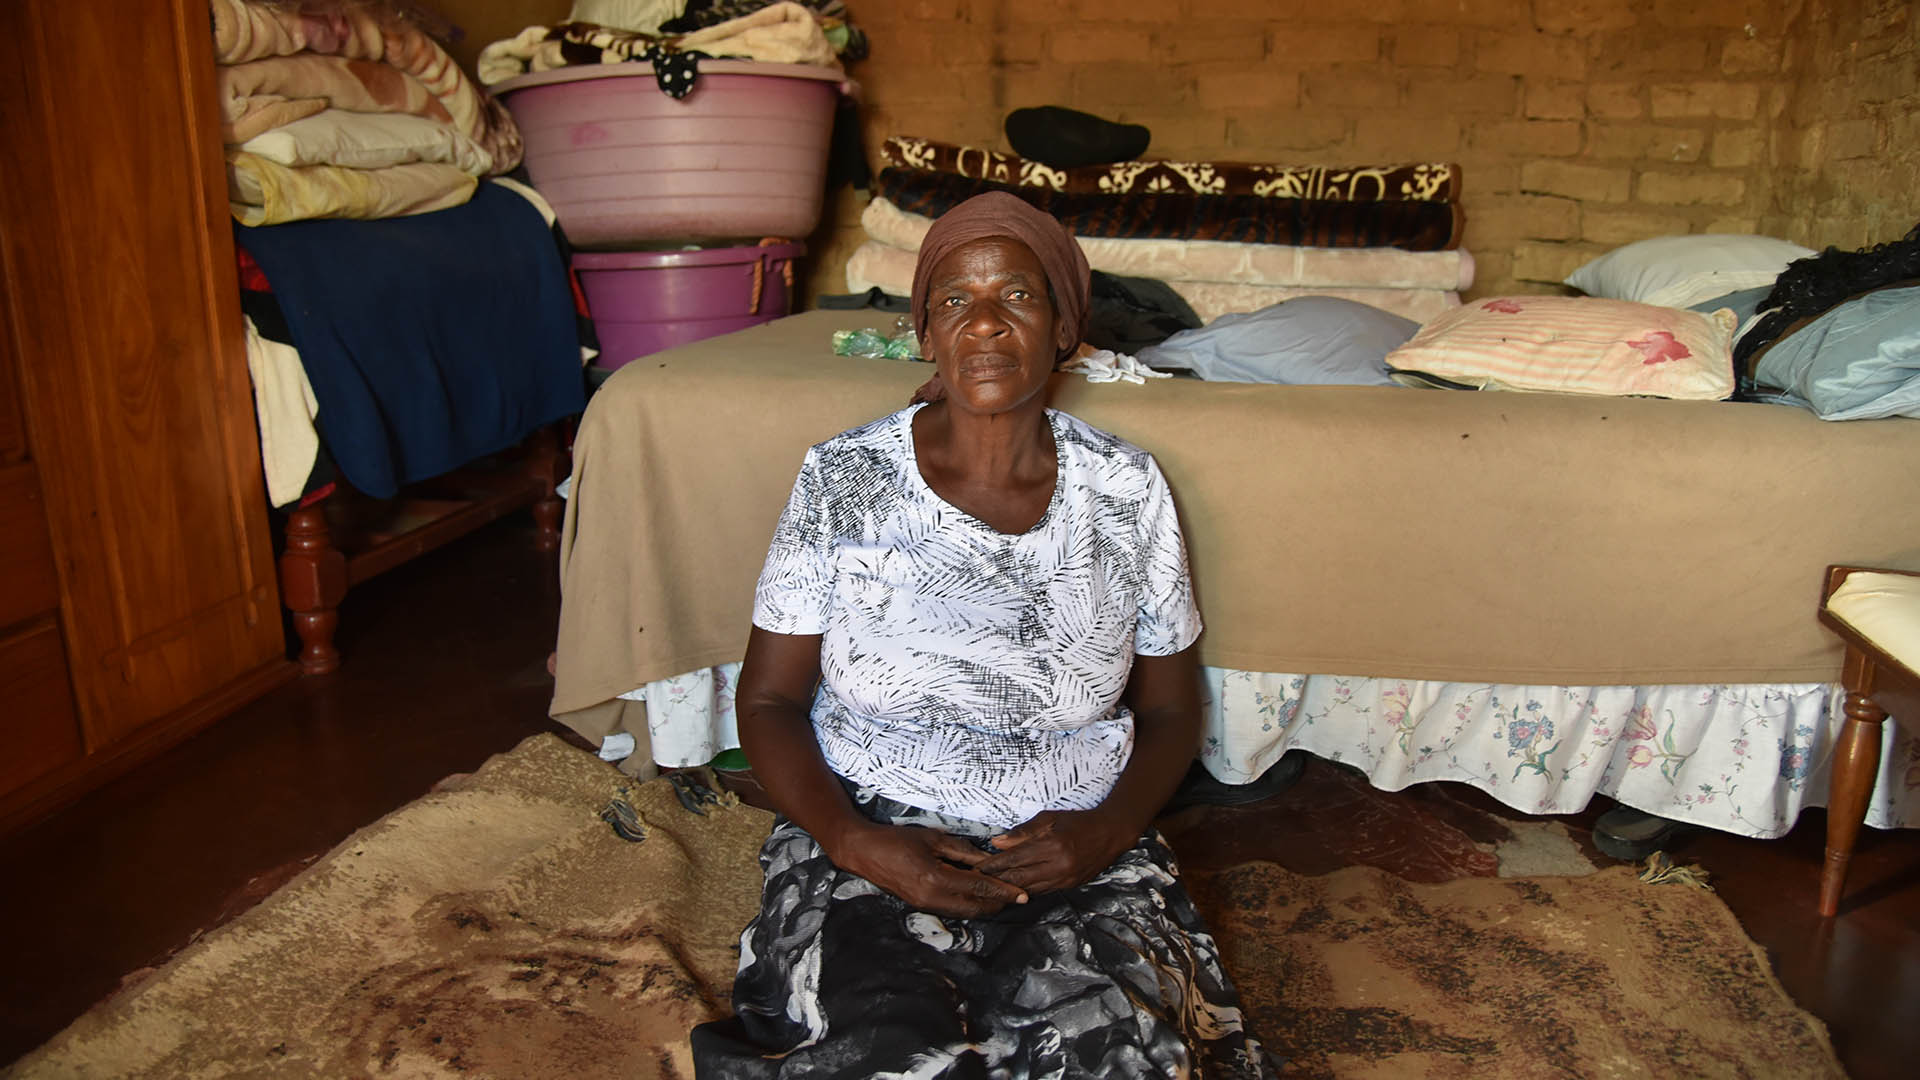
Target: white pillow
point(1680, 271)
point(359, 140)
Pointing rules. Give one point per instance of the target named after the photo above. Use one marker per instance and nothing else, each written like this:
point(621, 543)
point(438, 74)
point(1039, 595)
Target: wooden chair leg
point(313, 581)
point(547, 463)
point(1856, 764)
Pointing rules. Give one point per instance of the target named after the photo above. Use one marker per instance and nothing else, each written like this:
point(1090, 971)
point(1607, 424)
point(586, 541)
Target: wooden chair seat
point(1876, 613)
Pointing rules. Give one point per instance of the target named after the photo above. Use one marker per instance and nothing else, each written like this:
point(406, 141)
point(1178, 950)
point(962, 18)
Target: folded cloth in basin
point(783, 33)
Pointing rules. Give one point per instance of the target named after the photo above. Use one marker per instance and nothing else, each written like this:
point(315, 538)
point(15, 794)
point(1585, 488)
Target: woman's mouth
point(989, 367)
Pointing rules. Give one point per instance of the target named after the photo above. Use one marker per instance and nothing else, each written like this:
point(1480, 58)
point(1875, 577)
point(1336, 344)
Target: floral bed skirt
point(1744, 759)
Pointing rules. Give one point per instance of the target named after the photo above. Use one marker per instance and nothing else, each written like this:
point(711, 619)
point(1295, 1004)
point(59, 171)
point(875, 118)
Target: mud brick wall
point(1845, 153)
point(1579, 124)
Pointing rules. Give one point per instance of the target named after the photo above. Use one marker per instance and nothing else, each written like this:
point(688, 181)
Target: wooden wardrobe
point(137, 591)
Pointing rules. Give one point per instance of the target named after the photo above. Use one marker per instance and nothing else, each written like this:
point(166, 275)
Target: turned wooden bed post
point(1878, 685)
point(313, 581)
point(547, 462)
point(1856, 766)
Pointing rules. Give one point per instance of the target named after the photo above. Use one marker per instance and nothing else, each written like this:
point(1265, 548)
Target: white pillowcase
point(359, 140)
point(1681, 271)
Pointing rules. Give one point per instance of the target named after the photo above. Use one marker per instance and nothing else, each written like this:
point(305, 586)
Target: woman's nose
point(987, 318)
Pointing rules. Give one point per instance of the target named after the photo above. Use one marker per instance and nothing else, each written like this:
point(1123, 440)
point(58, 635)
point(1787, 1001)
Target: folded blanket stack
point(1225, 236)
point(347, 109)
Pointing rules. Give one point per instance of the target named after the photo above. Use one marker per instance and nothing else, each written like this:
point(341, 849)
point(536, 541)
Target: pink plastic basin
point(624, 165)
point(645, 301)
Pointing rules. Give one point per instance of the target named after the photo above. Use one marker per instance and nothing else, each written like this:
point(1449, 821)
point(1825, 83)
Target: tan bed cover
point(1422, 534)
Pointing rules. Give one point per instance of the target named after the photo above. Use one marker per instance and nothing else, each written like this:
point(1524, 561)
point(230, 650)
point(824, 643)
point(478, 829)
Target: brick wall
point(1845, 153)
point(1579, 124)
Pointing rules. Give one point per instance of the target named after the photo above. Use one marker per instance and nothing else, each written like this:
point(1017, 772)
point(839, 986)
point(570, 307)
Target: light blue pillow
point(1858, 361)
point(1307, 341)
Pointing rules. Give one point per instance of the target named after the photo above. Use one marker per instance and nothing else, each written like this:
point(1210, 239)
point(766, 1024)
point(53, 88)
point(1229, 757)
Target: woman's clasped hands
point(945, 874)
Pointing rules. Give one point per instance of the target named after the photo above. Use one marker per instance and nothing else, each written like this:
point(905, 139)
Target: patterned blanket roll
point(1413, 226)
point(1412, 182)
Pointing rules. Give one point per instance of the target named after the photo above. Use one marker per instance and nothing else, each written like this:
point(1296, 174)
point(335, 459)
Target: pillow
point(1307, 341)
point(1859, 361)
point(358, 140)
point(1574, 344)
point(1680, 271)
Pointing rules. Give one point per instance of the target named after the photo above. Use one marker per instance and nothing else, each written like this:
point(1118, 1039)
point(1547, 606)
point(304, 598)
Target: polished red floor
point(445, 665)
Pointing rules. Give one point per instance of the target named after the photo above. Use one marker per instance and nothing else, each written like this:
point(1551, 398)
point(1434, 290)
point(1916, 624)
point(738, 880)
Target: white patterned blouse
point(965, 670)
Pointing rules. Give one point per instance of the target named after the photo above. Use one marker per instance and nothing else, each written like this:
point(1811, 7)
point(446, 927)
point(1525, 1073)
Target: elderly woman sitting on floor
point(993, 600)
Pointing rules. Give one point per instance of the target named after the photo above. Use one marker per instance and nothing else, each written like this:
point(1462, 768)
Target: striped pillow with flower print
point(1573, 344)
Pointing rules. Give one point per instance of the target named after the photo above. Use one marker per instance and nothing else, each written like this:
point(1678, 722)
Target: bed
point(410, 376)
point(1545, 596)
point(411, 334)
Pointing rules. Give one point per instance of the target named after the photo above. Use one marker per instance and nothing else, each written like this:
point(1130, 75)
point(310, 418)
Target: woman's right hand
point(928, 869)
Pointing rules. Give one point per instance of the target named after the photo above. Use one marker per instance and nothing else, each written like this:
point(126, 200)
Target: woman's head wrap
point(997, 213)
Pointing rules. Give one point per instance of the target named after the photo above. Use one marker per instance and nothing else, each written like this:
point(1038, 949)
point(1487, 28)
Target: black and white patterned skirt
point(838, 978)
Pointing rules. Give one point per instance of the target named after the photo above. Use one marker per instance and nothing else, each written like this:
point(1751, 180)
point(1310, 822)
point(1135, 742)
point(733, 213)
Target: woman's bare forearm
point(1166, 733)
point(780, 746)
point(772, 704)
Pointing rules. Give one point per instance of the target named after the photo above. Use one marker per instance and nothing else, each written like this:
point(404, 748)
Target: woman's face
point(991, 328)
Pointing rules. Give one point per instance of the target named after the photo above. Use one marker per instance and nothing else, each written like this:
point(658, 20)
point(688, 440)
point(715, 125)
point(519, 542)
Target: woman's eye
point(1019, 294)
point(953, 301)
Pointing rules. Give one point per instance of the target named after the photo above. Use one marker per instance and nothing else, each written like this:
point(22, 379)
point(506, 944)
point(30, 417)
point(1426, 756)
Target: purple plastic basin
point(645, 301)
point(624, 165)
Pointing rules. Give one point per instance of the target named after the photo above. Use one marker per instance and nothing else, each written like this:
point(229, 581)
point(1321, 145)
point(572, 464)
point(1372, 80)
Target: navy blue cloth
point(430, 340)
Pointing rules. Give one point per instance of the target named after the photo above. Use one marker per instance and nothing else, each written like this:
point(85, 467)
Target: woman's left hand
point(1058, 849)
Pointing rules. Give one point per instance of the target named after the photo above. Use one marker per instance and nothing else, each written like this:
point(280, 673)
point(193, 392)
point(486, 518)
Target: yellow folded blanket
point(362, 140)
point(265, 193)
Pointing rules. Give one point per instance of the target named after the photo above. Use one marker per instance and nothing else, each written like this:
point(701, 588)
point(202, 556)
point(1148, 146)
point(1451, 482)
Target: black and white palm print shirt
point(965, 670)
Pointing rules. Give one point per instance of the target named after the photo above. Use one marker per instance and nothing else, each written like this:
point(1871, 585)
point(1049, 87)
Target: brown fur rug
point(500, 927)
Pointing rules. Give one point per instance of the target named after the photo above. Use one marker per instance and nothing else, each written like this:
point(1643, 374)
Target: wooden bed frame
point(341, 540)
point(1878, 686)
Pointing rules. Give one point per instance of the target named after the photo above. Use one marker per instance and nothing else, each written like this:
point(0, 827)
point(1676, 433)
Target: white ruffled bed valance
point(1744, 758)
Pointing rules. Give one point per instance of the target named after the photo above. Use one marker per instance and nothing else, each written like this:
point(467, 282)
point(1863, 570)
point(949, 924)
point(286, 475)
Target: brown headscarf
point(997, 213)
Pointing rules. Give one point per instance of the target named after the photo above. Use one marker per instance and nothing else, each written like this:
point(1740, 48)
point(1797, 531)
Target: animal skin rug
point(502, 926)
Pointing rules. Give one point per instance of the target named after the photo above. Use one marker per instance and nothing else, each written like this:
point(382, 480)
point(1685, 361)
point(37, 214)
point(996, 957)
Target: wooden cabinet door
point(39, 728)
point(121, 287)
